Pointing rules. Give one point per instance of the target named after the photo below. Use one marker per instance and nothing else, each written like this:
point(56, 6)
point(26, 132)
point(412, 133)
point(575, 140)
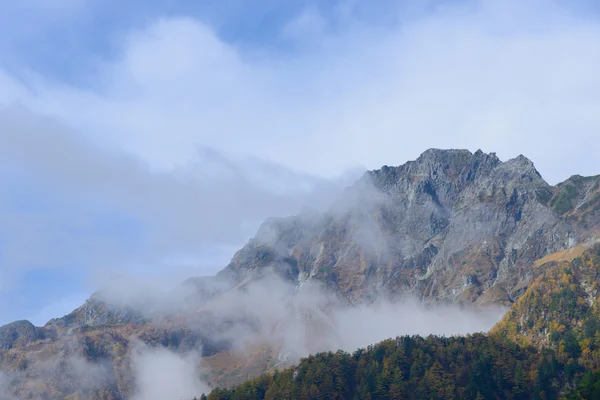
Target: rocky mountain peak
point(578, 196)
point(96, 312)
point(449, 225)
point(18, 333)
point(435, 168)
point(521, 168)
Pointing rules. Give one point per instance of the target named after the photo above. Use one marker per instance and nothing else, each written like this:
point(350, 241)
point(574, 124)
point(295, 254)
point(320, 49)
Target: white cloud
point(99, 210)
point(161, 374)
point(502, 76)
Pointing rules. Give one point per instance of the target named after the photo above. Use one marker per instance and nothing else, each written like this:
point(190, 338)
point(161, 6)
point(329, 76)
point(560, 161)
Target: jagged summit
point(450, 225)
point(454, 164)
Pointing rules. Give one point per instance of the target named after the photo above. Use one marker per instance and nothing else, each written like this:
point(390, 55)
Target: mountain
point(450, 227)
point(473, 367)
point(546, 347)
point(18, 333)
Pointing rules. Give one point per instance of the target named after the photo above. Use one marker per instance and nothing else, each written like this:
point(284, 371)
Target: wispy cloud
point(161, 374)
point(72, 206)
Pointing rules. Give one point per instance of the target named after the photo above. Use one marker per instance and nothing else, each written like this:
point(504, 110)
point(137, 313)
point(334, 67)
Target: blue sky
point(65, 38)
point(150, 139)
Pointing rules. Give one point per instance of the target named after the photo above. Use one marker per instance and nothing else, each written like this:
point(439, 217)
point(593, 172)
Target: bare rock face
point(95, 312)
point(18, 333)
point(450, 226)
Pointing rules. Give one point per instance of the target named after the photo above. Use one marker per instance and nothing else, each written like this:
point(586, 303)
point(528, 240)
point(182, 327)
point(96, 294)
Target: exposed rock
point(18, 333)
point(95, 312)
point(450, 225)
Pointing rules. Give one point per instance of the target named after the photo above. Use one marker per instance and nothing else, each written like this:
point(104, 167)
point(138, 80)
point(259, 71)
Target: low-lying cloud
point(164, 360)
point(160, 374)
point(70, 207)
point(305, 319)
point(67, 372)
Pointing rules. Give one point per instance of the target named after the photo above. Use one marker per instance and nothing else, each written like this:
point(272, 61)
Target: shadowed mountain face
point(452, 226)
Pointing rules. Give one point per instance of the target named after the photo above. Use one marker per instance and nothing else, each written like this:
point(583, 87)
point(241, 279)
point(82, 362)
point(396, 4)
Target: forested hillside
point(471, 367)
point(546, 347)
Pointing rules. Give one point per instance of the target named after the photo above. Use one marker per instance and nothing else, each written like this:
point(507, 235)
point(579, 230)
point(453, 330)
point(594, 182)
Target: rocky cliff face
point(95, 312)
point(450, 226)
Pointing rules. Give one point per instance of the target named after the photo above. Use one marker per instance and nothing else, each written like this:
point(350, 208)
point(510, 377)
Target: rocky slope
point(451, 226)
point(18, 333)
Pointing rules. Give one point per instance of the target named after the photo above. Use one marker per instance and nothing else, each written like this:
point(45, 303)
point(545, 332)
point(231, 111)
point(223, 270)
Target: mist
point(160, 374)
point(92, 212)
point(5, 388)
point(292, 320)
point(66, 372)
point(268, 307)
point(174, 329)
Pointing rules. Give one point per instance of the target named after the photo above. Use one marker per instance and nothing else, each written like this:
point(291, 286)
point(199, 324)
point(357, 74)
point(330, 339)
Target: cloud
point(299, 320)
point(292, 321)
point(161, 374)
point(185, 137)
point(4, 387)
point(386, 319)
point(502, 76)
point(72, 205)
point(64, 374)
point(206, 202)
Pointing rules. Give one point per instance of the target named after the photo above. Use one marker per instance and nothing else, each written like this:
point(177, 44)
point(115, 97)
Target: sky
point(149, 140)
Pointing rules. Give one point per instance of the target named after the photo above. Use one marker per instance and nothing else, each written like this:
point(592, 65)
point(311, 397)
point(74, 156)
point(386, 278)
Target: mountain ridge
point(451, 226)
point(432, 210)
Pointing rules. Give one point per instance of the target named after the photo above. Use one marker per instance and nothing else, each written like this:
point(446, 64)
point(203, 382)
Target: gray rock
point(95, 312)
point(18, 333)
point(450, 225)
